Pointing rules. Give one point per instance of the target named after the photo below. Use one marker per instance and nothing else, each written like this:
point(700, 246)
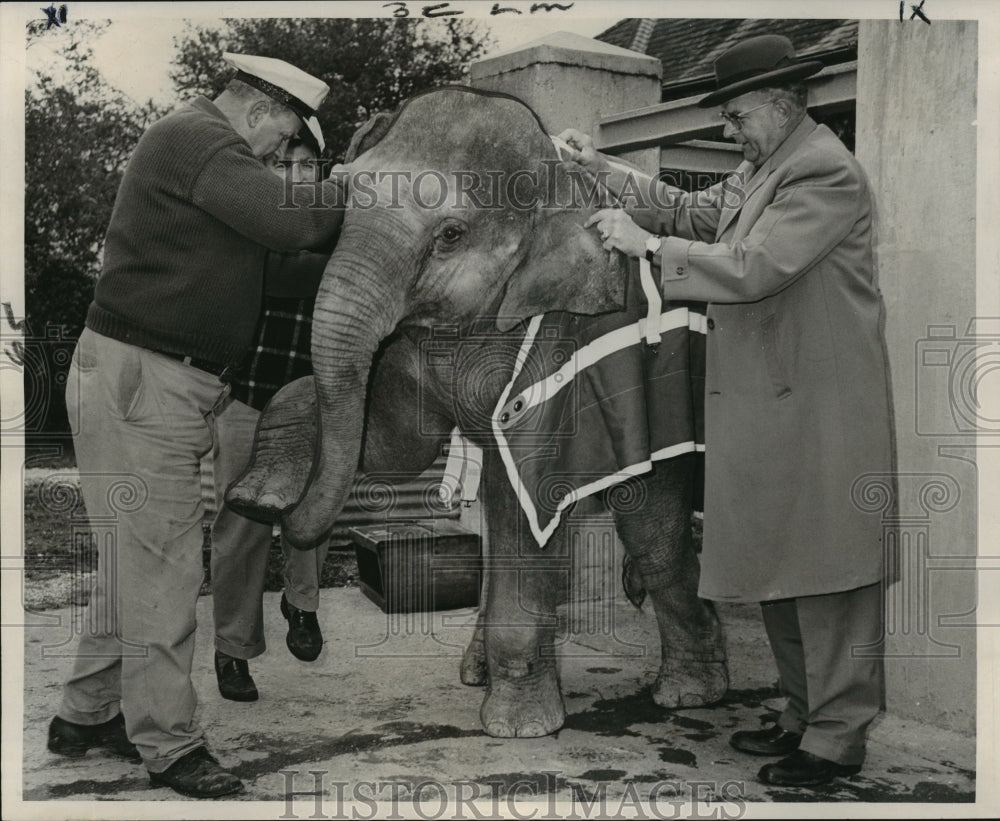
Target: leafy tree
point(78, 135)
point(371, 65)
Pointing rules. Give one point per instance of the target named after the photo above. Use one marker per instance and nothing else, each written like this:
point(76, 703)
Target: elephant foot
point(683, 683)
point(522, 708)
point(474, 671)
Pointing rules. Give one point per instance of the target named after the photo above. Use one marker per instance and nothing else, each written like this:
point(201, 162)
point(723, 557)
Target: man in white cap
point(797, 403)
point(174, 311)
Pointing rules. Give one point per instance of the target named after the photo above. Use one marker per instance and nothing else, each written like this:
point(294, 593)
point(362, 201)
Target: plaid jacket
point(280, 350)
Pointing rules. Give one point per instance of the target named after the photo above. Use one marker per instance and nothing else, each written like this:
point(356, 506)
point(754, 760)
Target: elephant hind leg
point(657, 535)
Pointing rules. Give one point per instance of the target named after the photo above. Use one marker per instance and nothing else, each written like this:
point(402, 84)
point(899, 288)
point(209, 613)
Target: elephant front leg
point(474, 672)
point(523, 699)
point(693, 669)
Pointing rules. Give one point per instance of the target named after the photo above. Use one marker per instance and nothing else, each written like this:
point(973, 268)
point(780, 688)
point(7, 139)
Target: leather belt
point(224, 372)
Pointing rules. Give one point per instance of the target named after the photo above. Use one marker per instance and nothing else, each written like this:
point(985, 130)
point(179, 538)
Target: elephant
point(406, 264)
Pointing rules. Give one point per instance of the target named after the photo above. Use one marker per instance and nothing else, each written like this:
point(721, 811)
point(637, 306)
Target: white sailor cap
point(314, 136)
point(287, 84)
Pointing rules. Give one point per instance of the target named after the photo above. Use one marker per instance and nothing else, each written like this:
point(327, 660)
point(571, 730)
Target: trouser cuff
point(88, 719)
point(309, 603)
point(832, 750)
point(240, 651)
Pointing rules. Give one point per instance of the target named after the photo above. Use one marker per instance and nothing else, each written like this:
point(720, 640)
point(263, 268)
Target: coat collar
point(208, 107)
point(782, 152)
point(745, 169)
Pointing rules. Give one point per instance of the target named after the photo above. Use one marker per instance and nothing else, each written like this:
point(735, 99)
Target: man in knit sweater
point(174, 309)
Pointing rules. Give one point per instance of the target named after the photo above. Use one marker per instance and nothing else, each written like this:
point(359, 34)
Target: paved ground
point(382, 712)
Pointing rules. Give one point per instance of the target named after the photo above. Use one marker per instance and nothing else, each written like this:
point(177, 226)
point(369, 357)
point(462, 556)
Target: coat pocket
point(129, 387)
point(775, 368)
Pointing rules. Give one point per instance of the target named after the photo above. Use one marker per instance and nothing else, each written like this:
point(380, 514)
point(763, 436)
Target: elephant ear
point(565, 266)
point(368, 135)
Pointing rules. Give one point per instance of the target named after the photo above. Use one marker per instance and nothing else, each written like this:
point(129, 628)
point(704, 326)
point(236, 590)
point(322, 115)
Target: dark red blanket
point(592, 404)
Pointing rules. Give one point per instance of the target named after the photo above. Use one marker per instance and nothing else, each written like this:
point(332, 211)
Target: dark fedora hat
point(758, 62)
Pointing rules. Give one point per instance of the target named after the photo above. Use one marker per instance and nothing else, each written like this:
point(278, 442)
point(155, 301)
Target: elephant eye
point(449, 234)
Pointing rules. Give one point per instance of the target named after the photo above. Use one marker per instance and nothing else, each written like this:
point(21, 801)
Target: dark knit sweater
point(193, 220)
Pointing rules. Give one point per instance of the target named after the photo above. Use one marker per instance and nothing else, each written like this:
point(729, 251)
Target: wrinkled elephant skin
point(407, 266)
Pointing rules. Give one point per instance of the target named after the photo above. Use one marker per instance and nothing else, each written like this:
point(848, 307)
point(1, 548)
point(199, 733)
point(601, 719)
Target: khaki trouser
point(143, 423)
point(828, 651)
point(240, 548)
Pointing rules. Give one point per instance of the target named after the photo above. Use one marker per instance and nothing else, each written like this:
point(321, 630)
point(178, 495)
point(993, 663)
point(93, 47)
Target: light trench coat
point(797, 403)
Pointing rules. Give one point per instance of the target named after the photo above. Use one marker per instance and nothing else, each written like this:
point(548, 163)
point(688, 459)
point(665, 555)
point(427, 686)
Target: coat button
point(711, 324)
point(680, 271)
point(505, 417)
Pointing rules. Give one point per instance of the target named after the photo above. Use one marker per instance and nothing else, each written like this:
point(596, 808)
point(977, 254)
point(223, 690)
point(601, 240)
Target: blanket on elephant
point(592, 403)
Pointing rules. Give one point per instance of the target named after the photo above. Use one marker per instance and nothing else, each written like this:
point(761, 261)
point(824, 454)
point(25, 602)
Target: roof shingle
point(688, 47)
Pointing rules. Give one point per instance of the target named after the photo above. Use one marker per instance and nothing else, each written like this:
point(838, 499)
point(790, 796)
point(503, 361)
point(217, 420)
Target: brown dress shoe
point(803, 769)
point(304, 638)
point(235, 681)
point(73, 740)
point(198, 775)
point(770, 741)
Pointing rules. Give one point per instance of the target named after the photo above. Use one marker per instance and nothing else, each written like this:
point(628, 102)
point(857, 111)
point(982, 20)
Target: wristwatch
point(652, 246)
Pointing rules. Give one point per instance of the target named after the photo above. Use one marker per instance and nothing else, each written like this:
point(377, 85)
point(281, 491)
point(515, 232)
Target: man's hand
point(619, 232)
point(586, 155)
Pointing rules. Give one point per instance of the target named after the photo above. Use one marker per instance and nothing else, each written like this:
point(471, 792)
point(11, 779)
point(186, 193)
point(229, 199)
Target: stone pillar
point(573, 81)
point(916, 137)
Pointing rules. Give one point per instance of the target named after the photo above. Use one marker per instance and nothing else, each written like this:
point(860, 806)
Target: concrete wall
point(572, 81)
point(916, 136)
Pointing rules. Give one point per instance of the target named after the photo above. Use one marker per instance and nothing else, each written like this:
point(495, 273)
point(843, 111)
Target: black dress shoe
point(198, 775)
point(770, 741)
point(67, 738)
point(802, 769)
point(304, 638)
point(233, 675)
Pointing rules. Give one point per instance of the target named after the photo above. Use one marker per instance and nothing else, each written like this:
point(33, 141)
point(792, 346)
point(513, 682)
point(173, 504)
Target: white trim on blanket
point(545, 389)
point(523, 497)
point(594, 352)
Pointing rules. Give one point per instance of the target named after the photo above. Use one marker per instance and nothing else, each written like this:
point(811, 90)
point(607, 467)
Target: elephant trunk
point(356, 308)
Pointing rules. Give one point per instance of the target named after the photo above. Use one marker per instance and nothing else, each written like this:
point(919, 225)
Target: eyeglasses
point(736, 119)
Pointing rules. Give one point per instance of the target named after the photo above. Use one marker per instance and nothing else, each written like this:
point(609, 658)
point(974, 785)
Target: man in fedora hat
point(174, 310)
point(797, 396)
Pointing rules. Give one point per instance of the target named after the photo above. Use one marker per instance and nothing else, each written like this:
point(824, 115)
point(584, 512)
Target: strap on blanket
point(462, 471)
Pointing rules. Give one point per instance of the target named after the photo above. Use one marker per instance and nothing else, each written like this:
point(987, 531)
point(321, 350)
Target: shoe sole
point(239, 697)
point(299, 654)
point(768, 753)
point(815, 782)
point(811, 783)
point(81, 752)
point(238, 788)
point(69, 752)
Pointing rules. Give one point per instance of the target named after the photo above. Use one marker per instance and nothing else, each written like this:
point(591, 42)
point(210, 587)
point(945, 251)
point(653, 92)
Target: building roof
point(688, 47)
